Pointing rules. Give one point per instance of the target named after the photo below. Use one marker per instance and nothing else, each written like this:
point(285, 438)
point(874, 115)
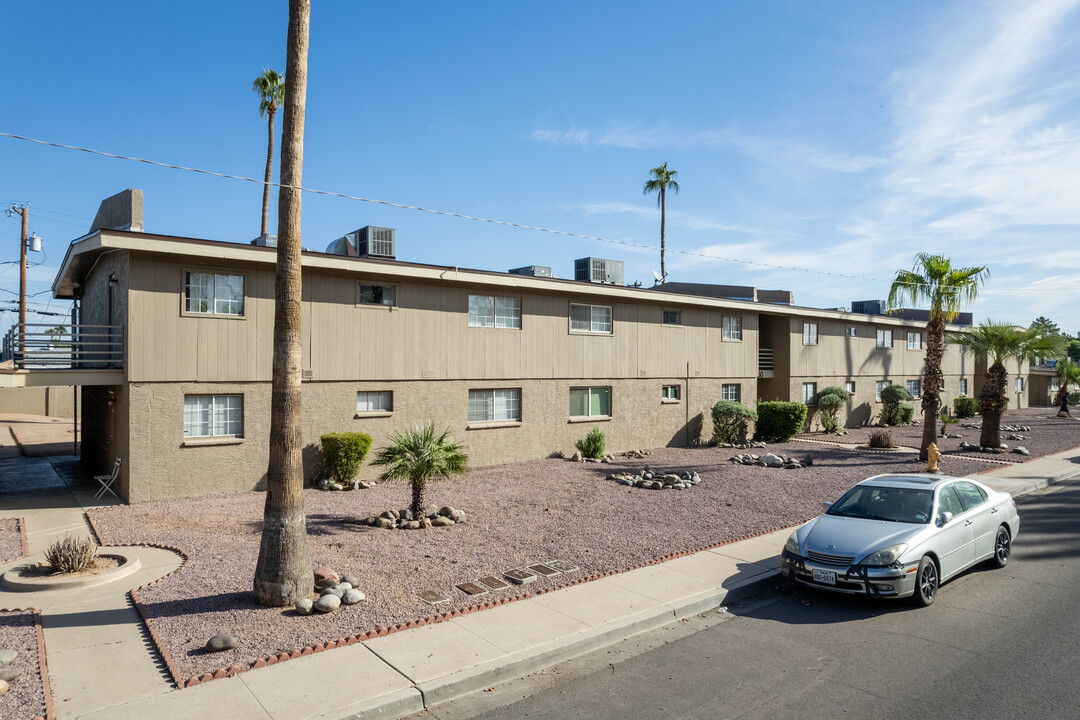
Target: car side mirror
point(945, 518)
point(825, 506)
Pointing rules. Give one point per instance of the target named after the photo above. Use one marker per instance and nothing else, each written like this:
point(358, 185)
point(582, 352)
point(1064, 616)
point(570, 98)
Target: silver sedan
point(902, 536)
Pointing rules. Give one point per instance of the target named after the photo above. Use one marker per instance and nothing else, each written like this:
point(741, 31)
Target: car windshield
point(906, 505)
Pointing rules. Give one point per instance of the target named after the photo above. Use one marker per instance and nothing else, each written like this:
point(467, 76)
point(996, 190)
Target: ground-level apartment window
point(673, 317)
point(492, 405)
point(375, 294)
point(878, 387)
point(590, 318)
point(731, 391)
point(914, 341)
point(590, 402)
point(213, 293)
point(849, 386)
point(963, 386)
point(491, 311)
point(732, 329)
point(213, 415)
point(914, 387)
point(809, 393)
point(670, 392)
point(809, 333)
point(1019, 384)
point(1055, 384)
point(852, 331)
point(884, 338)
point(375, 401)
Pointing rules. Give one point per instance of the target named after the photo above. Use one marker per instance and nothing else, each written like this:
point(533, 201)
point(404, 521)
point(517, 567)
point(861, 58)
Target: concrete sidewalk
point(403, 673)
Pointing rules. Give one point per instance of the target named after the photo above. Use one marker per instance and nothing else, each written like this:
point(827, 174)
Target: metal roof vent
point(368, 241)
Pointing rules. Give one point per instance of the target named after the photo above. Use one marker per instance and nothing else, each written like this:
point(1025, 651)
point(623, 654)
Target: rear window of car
point(907, 505)
point(970, 494)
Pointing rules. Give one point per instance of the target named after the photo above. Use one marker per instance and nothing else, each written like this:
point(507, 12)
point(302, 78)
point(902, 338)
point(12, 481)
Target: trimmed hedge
point(343, 453)
point(730, 422)
point(892, 396)
point(779, 421)
point(829, 402)
point(906, 412)
point(965, 407)
point(592, 445)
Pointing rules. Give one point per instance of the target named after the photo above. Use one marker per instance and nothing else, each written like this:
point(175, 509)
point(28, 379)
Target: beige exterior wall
point(1018, 399)
point(50, 401)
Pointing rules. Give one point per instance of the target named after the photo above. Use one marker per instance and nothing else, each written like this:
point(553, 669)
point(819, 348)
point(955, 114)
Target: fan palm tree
point(283, 574)
point(662, 180)
point(946, 289)
point(995, 342)
point(418, 455)
point(270, 87)
point(1067, 372)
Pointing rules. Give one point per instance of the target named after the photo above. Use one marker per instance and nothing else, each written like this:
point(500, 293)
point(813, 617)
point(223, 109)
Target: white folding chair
point(106, 482)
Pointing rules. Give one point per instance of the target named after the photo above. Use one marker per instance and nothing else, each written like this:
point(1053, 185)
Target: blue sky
point(832, 139)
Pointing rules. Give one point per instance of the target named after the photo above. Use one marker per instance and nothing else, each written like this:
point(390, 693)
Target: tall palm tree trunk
point(268, 176)
point(992, 403)
point(663, 212)
point(283, 574)
point(932, 381)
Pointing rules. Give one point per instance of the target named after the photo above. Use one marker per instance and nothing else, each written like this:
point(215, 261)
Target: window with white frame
point(374, 294)
point(809, 333)
point(731, 391)
point(1055, 384)
point(590, 318)
point(914, 387)
point(849, 387)
point(374, 401)
point(1019, 384)
point(670, 392)
point(590, 402)
point(493, 311)
point(213, 416)
point(732, 328)
point(213, 293)
point(495, 405)
point(852, 331)
point(963, 386)
point(884, 338)
point(878, 387)
point(809, 393)
point(673, 317)
point(914, 341)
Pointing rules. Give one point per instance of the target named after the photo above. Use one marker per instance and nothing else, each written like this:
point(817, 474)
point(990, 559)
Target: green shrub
point(592, 445)
point(965, 407)
point(730, 421)
point(778, 420)
point(829, 402)
point(1074, 398)
point(71, 554)
point(891, 398)
point(343, 453)
point(906, 413)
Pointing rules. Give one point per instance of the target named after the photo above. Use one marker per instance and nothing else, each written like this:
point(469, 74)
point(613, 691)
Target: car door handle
point(994, 511)
point(969, 522)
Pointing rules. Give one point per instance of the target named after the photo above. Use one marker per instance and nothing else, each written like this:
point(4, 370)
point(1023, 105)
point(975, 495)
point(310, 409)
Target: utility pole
point(24, 212)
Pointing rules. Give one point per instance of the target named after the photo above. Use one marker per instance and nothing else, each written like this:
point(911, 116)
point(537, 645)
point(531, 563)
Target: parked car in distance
point(896, 536)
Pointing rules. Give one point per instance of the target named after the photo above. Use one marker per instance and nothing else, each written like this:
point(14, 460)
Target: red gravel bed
point(517, 515)
point(26, 698)
point(11, 540)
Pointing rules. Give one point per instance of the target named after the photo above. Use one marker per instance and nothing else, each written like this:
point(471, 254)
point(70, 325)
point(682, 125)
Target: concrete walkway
point(102, 665)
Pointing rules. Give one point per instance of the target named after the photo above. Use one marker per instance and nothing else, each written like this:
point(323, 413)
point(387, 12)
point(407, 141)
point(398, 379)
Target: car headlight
point(792, 544)
point(885, 557)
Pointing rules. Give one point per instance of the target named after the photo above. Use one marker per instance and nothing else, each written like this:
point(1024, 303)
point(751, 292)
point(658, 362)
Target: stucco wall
point(51, 401)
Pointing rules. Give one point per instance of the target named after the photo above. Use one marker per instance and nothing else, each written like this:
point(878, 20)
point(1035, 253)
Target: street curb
point(1045, 482)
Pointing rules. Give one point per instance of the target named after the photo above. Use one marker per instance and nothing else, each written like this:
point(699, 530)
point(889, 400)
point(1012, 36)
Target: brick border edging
point(430, 619)
point(43, 669)
point(93, 525)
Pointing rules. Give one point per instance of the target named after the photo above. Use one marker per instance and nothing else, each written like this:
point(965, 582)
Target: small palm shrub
point(420, 455)
point(829, 402)
point(731, 422)
point(592, 445)
point(880, 439)
point(892, 396)
point(778, 420)
point(965, 407)
point(71, 554)
point(343, 454)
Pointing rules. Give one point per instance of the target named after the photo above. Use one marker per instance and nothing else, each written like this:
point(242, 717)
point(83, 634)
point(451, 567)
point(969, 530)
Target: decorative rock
point(1020, 450)
point(352, 597)
point(425, 523)
point(458, 516)
point(430, 511)
point(325, 577)
point(344, 586)
point(356, 485)
point(220, 643)
point(7, 656)
point(327, 603)
point(352, 580)
point(441, 521)
point(333, 591)
point(9, 673)
point(771, 460)
point(577, 457)
point(303, 606)
point(3, 687)
point(411, 525)
point(384, 523)
point(807, 461)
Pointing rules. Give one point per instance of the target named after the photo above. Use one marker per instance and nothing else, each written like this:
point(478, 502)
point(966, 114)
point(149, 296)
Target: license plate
point(825, 576)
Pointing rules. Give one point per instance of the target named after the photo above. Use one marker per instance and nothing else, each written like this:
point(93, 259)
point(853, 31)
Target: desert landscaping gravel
point(517, 515)
point(10, 540)
point(25, 698)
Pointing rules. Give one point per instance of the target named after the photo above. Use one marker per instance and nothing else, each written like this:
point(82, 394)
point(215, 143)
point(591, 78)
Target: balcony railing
point(765, 358)
point(53, 347)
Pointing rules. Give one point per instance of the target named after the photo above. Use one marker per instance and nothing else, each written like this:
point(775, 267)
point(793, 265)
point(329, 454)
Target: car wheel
point(1002, 547)
point(926, 582)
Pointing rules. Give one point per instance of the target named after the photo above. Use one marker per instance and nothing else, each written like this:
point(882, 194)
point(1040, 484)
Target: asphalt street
point(996, 644)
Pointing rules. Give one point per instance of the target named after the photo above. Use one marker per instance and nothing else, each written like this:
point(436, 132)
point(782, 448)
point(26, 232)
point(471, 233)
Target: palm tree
point(270, 87)
point(661, 180)
point(995, 342)
point(1067, 372)
point(283, 574)
point(418, 455)
point(946, 289)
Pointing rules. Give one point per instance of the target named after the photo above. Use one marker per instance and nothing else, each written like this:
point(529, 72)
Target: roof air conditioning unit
point(532, 271)
point(868, 307)
point(598, 270)
point(368, 241)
